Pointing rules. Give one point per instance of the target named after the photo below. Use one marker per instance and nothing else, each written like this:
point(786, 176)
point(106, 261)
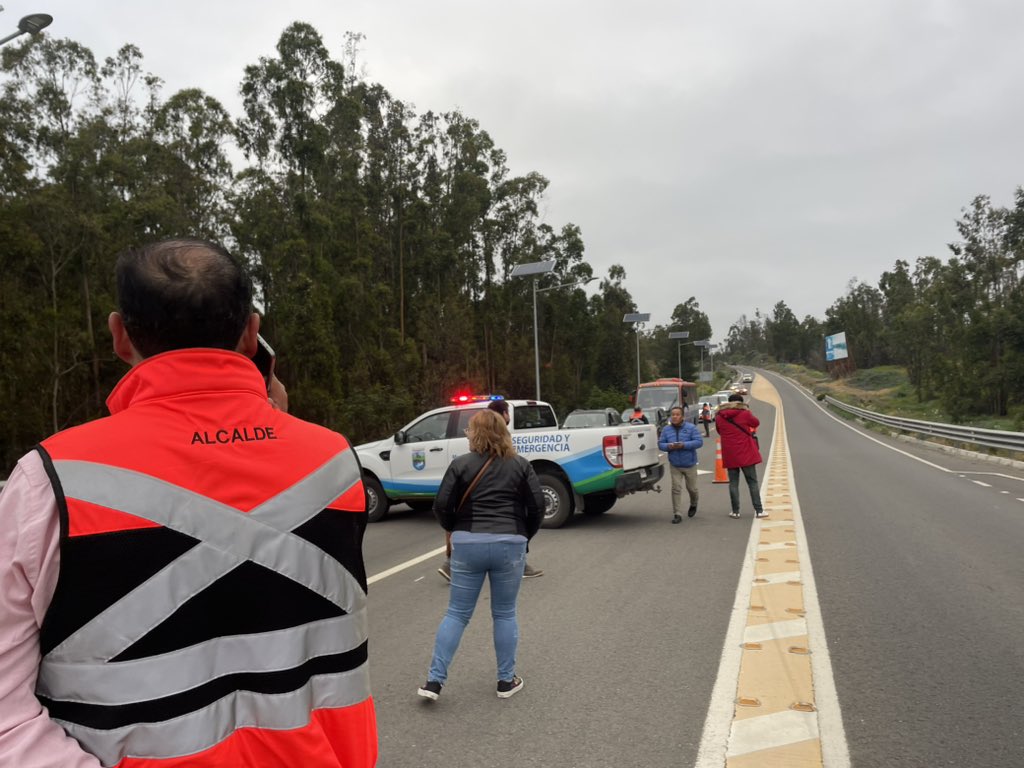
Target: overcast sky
point(739, 151)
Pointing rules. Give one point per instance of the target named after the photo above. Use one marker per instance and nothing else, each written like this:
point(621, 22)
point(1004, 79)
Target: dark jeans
point(750, 473)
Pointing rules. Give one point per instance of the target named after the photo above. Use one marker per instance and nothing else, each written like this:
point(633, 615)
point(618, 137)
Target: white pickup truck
point(579, 469)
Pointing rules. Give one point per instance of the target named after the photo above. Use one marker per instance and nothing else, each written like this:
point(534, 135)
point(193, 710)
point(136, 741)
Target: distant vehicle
point(716, 399)
point(658, 397)
point(748, 378)
point(593, 417)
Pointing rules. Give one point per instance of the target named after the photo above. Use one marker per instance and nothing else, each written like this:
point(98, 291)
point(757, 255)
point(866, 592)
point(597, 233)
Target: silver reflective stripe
point(129, 619)
point(170, 673)
point(204, 728)
point(228, 537)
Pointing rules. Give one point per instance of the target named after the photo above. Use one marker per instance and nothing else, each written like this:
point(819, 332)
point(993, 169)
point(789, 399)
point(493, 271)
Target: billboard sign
point(835, 347)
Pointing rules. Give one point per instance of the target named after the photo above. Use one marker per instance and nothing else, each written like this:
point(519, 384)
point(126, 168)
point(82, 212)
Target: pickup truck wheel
point(377, 502)
point(557, 507)
point(598, 503)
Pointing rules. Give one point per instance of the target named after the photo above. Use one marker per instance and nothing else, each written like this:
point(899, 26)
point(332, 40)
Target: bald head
point(177, 294)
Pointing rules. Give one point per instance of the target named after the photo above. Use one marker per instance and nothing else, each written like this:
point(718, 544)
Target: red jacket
point(736, 425)
point(211, 604)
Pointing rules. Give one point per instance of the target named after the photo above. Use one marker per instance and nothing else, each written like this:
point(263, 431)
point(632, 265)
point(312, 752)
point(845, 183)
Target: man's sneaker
point(760, 513)
point(734, 514)
point(431, 690)
point(508, 688)
point(446, 571)
point(692, 510)
point(530, 572)
point(677, 518)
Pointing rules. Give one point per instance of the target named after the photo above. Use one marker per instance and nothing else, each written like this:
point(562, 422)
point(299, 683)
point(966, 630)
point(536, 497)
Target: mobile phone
point(264, 359)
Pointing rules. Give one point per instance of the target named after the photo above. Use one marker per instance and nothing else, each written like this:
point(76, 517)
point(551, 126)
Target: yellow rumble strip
point(784, 710)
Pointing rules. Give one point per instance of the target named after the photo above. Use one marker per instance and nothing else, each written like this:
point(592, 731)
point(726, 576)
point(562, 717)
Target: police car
point(585, 469)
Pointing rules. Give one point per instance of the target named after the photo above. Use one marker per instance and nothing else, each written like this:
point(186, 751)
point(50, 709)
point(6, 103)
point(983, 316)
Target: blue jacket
point(687, 434)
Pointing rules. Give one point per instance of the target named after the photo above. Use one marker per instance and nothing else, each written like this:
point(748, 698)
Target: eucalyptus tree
point(783, 334)
point(859, 315)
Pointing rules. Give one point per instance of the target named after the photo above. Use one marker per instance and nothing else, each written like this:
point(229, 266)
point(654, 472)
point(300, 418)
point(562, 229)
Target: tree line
point(957, 326)
point(381, 241)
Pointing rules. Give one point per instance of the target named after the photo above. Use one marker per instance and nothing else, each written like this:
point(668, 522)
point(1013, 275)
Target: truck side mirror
point(400, 437)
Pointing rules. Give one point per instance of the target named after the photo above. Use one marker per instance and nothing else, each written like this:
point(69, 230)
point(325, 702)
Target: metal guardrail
point(990, 438)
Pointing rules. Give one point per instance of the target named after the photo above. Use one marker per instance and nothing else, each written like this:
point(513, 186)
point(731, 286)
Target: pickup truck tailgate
point(639, 446)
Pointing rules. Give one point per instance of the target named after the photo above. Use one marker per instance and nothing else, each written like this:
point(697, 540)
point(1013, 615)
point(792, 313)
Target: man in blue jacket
point(680, 440)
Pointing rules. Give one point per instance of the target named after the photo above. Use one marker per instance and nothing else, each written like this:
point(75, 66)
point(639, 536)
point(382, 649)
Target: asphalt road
point(919, 575)
point(920, 578)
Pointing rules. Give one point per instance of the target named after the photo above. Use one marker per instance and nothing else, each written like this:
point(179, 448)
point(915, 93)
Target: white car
point(586, 469)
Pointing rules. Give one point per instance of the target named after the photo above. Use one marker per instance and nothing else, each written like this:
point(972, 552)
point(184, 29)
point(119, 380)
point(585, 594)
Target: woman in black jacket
point(491, 501)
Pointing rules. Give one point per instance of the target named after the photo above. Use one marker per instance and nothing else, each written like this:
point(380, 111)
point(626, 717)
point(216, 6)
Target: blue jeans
point(750, 473)
point(503, 562)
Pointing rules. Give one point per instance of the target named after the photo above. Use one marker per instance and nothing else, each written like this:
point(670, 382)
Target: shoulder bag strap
point(745, 431)
point(474, 483)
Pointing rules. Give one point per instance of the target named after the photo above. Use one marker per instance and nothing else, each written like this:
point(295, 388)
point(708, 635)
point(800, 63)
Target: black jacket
point(506, 500)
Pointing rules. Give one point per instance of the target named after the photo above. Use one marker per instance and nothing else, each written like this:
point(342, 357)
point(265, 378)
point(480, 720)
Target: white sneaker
point(762, 513)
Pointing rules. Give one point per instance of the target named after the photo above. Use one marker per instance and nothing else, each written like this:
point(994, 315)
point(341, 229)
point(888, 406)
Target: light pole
point(703, 343)
point(679, 348)
point(537, 290)
point(523, 270)
point(639, 318)
point(33, 23)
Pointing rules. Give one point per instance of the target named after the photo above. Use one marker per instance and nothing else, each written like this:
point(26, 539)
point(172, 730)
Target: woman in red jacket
point(736, 427)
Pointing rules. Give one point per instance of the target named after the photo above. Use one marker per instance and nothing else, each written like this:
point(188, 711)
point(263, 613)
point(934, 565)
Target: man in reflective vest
point(182, 582)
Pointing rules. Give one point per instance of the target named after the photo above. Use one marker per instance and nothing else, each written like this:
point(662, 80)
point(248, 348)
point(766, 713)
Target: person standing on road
point(638, 416)
point(490, 499)
point(681, 439)
point(736, 426)
point(706, 417)
point(500, 407)
point(183, 580)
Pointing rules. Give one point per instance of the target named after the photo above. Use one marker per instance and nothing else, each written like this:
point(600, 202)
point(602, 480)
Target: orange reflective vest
point(211, 604)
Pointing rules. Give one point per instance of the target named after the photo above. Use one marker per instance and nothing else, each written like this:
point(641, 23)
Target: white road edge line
point(718, 724)
point(402, 566)
point(835, 752)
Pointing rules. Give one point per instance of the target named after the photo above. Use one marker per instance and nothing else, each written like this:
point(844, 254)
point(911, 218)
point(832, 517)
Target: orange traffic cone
point(721, 476)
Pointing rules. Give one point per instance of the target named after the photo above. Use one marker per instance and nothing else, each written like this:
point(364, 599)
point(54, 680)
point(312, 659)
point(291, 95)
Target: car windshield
point(575, 420)
point(657, 397)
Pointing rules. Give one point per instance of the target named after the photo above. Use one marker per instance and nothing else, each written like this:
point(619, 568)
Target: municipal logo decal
point(419, 460)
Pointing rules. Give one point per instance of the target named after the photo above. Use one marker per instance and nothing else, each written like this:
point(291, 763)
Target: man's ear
point(247, 343)
point(123, 346)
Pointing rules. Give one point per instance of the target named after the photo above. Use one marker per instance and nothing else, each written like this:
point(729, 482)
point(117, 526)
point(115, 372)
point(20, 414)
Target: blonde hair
point(489, 435)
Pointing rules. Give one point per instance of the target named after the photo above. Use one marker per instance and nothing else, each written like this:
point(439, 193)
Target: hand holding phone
point(264, 359)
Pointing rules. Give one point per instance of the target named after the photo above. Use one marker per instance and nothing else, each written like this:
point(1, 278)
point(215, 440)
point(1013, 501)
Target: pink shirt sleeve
point(29, 560)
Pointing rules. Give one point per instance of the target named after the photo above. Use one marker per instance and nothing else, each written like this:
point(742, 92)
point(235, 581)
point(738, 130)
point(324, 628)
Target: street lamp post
point(702, 344)
point(638, 318)
point(33, 24)
point(523, 270)
point(679, 348)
